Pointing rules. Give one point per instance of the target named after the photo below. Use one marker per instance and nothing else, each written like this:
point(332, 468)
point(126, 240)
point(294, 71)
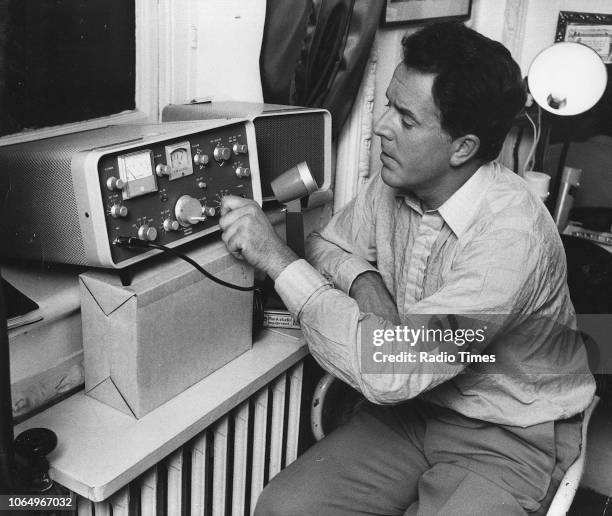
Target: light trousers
point(420, 459)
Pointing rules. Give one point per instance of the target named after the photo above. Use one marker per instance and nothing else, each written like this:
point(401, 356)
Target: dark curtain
point(314, 52)
point(5, 122)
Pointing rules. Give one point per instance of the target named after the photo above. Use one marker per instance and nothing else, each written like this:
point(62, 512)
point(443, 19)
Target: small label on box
point(279, 319)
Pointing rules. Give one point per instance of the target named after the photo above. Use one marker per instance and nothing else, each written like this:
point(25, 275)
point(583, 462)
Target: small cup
point(538, 183)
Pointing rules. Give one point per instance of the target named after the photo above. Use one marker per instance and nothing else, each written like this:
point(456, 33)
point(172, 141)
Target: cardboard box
point(145, 343)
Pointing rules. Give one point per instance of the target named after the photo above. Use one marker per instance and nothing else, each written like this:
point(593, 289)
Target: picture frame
point(591, 29)
point(403, 12)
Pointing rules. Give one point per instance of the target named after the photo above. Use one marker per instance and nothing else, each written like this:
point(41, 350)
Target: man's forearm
point(336, 264)
point(372, 296)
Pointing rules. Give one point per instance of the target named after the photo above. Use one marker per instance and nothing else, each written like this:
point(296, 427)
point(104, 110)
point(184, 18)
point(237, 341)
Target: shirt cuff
point(297, 283)
point(349, 270)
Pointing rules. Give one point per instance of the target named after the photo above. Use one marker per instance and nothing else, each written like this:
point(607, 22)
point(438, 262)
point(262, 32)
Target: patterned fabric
point(491, 251)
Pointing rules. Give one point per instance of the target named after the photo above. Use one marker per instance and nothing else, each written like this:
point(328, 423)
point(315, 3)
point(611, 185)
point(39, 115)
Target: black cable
point(136, 242)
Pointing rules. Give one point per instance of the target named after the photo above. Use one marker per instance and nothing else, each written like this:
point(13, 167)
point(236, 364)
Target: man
point(450, 232)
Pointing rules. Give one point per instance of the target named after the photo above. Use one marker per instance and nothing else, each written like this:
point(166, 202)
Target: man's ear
point(463, 149)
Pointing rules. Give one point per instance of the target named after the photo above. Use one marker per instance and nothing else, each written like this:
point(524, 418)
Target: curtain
point(314, 52)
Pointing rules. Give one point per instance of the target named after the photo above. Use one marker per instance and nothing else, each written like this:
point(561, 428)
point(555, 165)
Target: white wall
point(541, 23)
point(210, 49)
point(487, 17)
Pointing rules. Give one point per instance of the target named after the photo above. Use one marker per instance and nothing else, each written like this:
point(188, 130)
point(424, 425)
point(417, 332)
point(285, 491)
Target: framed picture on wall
point(591, 29)
point(418, 11)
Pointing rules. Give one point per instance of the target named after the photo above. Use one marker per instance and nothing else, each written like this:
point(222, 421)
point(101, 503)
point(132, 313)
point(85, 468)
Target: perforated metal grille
point(40, 217)
point(284, 141)
point(42, 225)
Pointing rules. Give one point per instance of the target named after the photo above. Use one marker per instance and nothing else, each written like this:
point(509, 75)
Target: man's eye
point(407, 123)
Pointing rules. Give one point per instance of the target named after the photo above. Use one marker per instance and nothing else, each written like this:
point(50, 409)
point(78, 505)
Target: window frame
point(146, 90)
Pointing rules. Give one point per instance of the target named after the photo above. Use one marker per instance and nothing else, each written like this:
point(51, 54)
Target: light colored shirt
point(491, 250)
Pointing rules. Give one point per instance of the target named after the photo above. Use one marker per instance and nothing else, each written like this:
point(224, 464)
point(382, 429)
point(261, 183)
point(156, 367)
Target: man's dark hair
point(478, 86)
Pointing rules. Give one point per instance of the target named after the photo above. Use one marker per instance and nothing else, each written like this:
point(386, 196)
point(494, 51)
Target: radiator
point(222, 470)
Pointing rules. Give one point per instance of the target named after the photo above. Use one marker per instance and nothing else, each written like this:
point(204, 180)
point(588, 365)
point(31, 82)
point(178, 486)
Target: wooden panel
point(148, 493)
point(84, 507)
point(220, 468)
point(175, 477)
point(241, 424)
point(293, 413)
point(198, 475)
point(259, 445)
point(102, 509)
point(277, 425)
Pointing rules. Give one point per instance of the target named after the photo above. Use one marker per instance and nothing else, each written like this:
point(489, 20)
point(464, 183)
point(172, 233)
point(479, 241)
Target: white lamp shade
point(567, 78)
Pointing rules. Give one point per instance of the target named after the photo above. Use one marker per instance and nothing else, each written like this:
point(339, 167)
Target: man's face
point(415, 150)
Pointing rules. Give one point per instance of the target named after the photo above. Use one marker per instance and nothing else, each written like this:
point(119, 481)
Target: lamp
point(566, 79)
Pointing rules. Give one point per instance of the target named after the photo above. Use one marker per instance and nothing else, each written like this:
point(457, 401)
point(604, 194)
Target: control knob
point(242, 172)
point(200, 159)
point(171, 225)
point(240, 148)
point(188, 211)
point(114, 183)
point(162, 170)
point(209, 211)
point(146, 232)
point(222, 154)
point(118, 210)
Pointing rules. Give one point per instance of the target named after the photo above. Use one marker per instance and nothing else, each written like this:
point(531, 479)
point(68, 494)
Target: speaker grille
point(40, 211)
point(42, 225)
point(284, 141)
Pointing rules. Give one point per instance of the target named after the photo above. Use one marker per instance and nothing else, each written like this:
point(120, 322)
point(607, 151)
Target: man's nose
point(382, 127)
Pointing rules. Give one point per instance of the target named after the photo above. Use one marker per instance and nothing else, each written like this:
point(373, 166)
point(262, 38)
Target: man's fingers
point(231, 217)
point(233, 202)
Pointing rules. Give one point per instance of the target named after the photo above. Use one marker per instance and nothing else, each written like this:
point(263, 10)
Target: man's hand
point(248, 235)
point(373, 297)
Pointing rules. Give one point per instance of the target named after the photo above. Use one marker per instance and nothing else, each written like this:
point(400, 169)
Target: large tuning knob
point(188, 211)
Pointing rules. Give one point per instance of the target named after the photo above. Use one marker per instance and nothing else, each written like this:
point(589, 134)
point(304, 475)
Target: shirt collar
point(460, 208)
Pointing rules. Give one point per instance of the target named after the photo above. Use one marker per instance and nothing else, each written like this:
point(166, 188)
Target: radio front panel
point(171, 190)
point(73, 195)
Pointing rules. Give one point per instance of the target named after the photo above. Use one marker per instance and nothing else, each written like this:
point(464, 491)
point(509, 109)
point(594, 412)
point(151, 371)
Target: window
point(69, 61)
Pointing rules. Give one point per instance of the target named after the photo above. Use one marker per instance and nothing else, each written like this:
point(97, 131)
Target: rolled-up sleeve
point(345, 248)
point(336, 330)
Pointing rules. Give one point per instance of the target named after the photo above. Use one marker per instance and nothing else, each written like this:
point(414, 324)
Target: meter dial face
point(178, 158)
point(136, 171)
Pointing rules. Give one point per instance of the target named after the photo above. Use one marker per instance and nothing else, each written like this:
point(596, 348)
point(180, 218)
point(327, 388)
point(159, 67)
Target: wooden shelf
point(101, 449)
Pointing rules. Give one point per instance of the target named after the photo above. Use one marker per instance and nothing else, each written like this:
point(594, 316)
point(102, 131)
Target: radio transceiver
point(70, 197)
point(286, 136)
